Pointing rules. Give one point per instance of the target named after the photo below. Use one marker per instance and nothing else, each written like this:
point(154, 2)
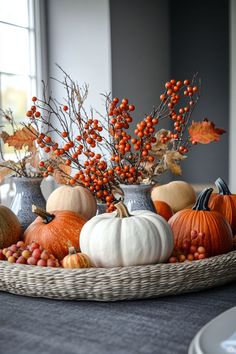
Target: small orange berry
point(48, 139)
point(29, 114)
point(64, 134)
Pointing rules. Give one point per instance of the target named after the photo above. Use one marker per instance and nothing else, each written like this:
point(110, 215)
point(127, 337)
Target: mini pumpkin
point(224, 202)
point(177, 194)
point(10, 228)
point(120, 239)
point(75, 260)
point(77, 199)
point(54, 231)
point(163, 209)
point(215, 231)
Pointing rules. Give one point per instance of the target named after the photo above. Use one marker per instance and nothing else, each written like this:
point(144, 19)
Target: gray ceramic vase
point(138, 197)
point(101, 208)
point(28, 192)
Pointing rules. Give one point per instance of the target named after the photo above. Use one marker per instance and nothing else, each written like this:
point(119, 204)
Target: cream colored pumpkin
point(77, 199)
point(178, 194)
point(119, 239)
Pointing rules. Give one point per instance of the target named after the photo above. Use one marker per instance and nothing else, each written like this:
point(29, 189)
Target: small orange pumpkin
point(187, 224)
point(163, 209)
point(224, 202)
point(76, 260)
point(54, 231)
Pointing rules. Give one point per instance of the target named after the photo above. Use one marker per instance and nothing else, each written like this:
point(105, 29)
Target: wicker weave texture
point(123, 283)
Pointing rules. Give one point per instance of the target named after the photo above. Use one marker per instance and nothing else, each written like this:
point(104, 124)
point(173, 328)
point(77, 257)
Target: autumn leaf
point(34, 158)
point(171, 161)
point(61, 175)
point(21, 137)
point(204, 132)
point(4, 171)
point(159, 148)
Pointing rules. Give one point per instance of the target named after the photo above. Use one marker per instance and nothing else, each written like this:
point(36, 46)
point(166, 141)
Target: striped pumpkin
point(75, 260)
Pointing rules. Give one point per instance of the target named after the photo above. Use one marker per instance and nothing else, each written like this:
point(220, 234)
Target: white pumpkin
point(77, 199)
point(119, 239)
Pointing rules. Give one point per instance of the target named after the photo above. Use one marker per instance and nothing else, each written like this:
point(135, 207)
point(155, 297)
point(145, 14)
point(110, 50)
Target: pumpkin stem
point(223, 189)
point(122, 211)
point(202, 200)
point(72, 250)
point(47, 217)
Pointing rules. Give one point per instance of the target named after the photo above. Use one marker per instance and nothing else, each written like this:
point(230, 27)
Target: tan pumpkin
point(177, 194)
point(76, 260)
point(77, 199)
point(55, 231)
point(10, 228)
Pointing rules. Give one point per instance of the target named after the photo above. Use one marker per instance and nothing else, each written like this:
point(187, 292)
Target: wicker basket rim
point(162, 266)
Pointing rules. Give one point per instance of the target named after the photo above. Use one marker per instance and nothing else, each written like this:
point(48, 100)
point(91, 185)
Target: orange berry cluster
point(33, 113)
point(180, 116)
point(129, 150)
point(191, 250)
point(93, 172)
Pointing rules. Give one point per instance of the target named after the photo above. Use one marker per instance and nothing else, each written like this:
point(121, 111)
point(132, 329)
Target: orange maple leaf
point(204, 132)
point(21, 137)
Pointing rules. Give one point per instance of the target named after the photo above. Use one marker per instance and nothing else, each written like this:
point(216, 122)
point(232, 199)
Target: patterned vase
point(28, 192)
point(138, 197)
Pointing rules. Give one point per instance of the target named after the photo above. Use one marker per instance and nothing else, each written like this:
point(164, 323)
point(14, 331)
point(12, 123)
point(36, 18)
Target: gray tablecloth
point(164, 326)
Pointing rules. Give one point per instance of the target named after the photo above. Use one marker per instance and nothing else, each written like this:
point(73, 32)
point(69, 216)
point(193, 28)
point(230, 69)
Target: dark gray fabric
point(163, 326)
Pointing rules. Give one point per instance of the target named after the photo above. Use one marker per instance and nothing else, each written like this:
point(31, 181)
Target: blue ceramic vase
point(28, 192)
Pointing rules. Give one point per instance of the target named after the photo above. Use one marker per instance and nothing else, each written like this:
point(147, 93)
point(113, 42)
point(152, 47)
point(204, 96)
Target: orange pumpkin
point(10, 228)
point(163, 209)
point(207, 228)
point(55, 231)
point(224, 202)
point(76, 260)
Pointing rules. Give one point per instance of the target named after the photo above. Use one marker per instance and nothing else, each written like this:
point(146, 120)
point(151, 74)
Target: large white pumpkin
point(77, 199)
point(120, 239)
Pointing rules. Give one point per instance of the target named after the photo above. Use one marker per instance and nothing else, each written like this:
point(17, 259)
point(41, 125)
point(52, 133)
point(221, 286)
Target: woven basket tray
point(123, 283)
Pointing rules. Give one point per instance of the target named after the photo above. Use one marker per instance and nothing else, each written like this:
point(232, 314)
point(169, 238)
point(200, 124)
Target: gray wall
point(140, 51)
point(200, 43)
point(155, 40)
point(79, 41)
point(151, 42)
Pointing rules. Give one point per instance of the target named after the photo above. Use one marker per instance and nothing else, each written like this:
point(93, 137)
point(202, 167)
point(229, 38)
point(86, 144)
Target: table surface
point(163, 326)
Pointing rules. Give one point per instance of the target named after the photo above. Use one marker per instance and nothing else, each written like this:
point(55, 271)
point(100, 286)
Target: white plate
point(218, 336)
